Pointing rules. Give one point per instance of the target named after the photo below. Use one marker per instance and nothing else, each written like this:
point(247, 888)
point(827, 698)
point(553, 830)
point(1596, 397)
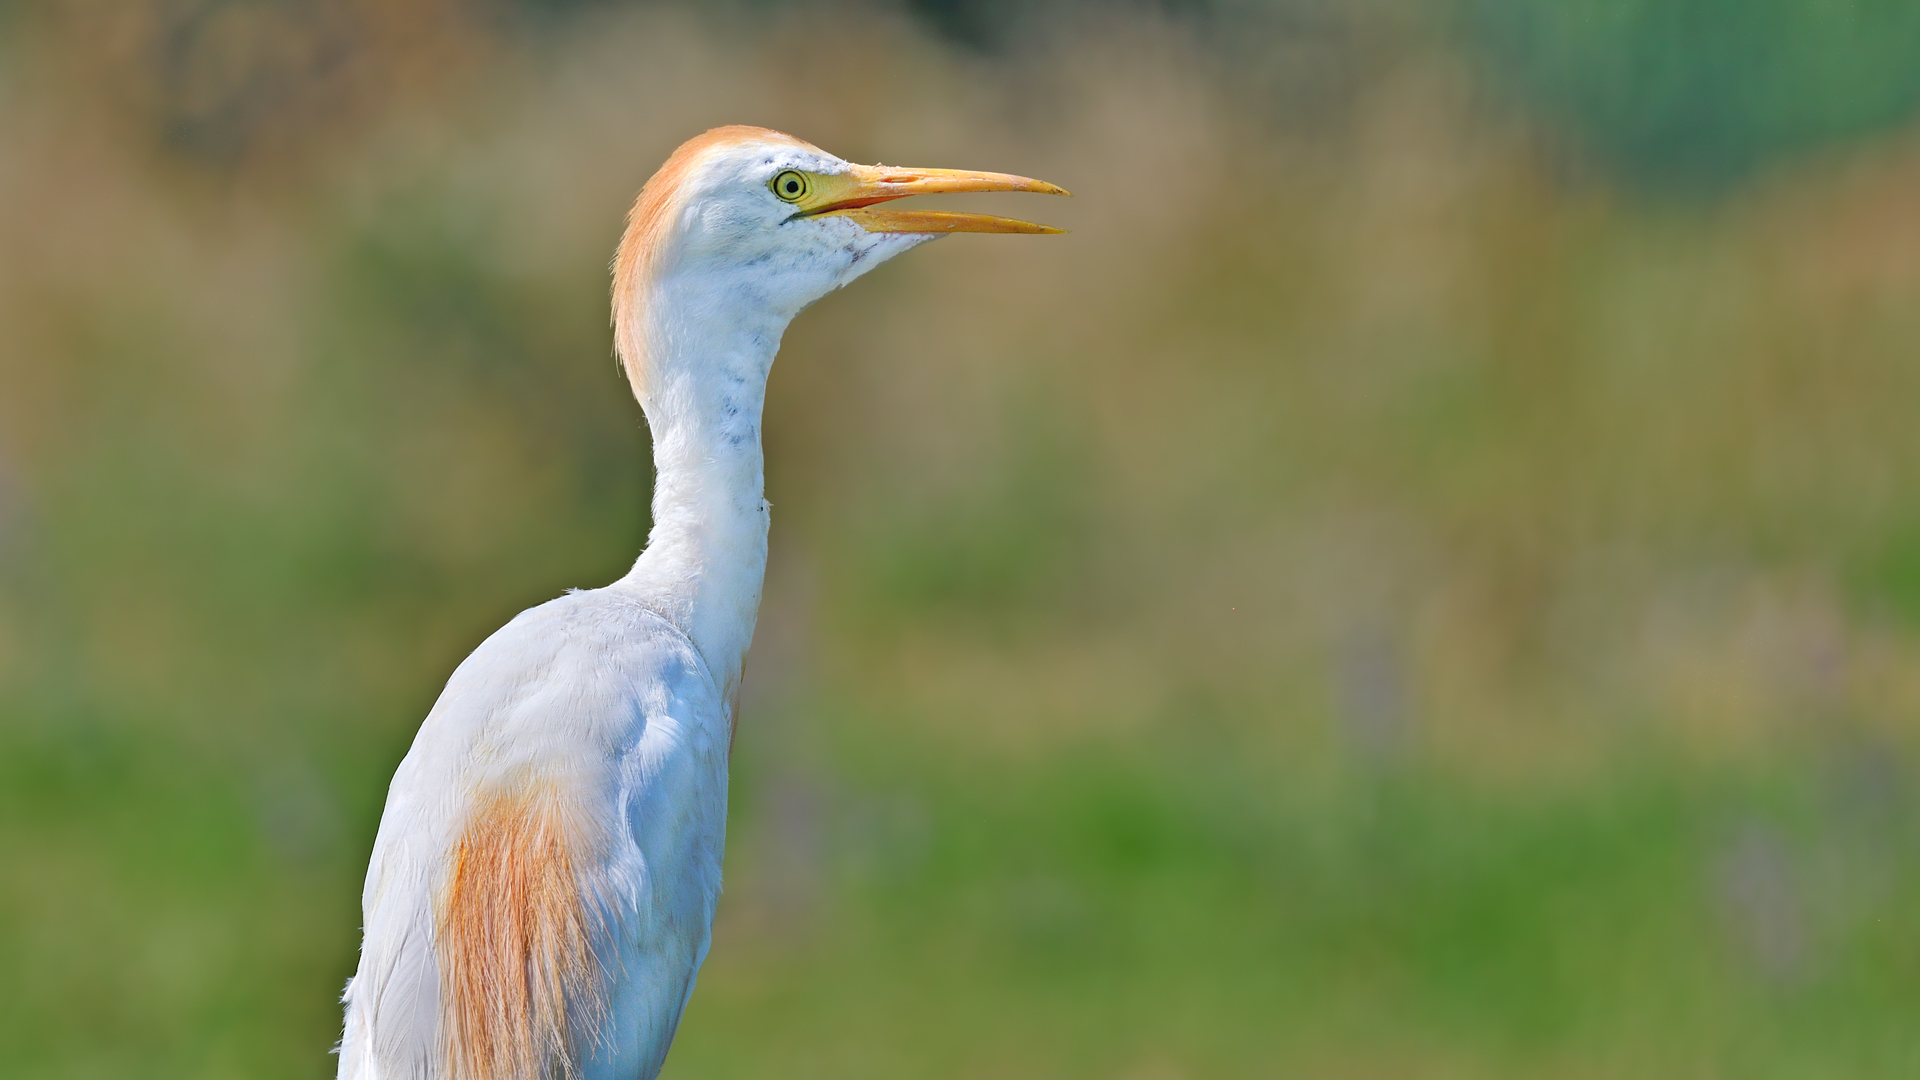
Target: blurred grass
point(1367, 603)
point(1700, 92)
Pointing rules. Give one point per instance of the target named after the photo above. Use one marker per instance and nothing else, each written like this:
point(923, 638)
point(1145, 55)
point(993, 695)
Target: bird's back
point(543, 882)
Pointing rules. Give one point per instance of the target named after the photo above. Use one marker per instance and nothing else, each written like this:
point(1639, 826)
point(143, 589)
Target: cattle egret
point(542, 887)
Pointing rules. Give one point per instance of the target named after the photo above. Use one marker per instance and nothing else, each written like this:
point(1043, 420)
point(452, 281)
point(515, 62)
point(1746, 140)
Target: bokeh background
point(1423, 582)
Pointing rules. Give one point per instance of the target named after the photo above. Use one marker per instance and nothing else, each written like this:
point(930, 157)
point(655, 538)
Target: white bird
point(542, 888)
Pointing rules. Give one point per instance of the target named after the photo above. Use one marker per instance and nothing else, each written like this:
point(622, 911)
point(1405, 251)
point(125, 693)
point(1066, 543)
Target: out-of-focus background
point(1424, 581)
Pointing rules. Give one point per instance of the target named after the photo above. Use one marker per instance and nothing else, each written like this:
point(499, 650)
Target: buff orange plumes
point(640, 247)
point(514, 938)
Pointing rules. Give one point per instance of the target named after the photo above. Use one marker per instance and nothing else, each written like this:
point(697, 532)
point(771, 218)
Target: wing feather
point(542, 888)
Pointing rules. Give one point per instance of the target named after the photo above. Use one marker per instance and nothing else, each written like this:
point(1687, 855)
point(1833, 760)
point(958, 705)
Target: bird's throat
point(706, 553)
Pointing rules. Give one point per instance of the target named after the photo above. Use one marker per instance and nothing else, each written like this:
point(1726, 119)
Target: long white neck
point(706, 555)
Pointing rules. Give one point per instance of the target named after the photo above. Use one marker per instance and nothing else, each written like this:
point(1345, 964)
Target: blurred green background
point(1424, 581)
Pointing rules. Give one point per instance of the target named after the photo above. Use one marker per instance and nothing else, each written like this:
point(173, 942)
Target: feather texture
point(517, 969)
point(542, 888)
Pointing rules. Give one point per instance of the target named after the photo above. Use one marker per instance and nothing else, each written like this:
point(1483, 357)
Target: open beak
point(858, 195)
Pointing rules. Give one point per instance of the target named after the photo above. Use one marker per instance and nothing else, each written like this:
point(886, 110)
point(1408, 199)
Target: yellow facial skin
point(857, 193)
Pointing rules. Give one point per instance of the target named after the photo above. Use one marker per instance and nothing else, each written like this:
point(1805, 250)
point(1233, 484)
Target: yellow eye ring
point(791, 186)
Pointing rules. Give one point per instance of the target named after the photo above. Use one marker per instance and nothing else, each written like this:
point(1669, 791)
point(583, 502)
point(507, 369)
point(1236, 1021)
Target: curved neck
point(706, 554)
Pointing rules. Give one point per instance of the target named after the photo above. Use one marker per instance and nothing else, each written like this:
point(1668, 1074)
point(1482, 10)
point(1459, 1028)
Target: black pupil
point(793, 186)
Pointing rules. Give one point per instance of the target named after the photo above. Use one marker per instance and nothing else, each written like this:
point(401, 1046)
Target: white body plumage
point(542, 888)
point(597, 699)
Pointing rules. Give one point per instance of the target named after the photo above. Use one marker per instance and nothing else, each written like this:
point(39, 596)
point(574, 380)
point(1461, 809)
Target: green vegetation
point(1355, 607)
point(1702, 92)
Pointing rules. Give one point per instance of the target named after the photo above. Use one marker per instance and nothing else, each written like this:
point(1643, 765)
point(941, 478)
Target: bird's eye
point(791, 186)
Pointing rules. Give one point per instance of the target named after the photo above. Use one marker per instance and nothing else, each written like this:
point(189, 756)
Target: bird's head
point(749, 224)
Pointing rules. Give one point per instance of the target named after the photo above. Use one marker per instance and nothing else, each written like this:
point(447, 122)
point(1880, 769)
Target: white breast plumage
point(553, 838)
